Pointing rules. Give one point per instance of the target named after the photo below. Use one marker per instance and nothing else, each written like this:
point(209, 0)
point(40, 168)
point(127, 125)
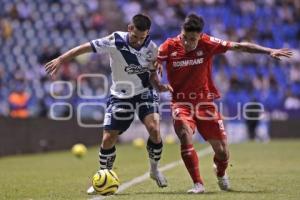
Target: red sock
point(191, 161)
point(221, 166)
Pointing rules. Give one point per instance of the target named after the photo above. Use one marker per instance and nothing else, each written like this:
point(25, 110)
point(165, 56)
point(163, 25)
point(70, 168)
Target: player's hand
point(159, 67)
point(278, 53)
point(53, 66)
point(165, 88)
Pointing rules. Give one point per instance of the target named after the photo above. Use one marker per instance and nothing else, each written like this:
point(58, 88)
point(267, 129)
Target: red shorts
point(205, 117)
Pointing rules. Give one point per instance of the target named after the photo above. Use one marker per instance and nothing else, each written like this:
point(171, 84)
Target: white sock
point(153, 165)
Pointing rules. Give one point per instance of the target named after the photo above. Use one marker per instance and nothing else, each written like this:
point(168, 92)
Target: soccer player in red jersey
point(188, 60)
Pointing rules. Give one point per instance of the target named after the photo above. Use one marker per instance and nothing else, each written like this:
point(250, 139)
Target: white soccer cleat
point(160, 179)
point(197, 189)
point(223, 182)
point(91, 191)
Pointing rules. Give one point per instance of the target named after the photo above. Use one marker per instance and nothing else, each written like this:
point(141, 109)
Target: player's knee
point(108, 141)
point(222, 154)
point(184, 134)
point(153, 129)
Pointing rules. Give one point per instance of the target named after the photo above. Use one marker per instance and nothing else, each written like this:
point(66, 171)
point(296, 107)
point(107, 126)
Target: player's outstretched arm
point(53, 66)
point(255, 48)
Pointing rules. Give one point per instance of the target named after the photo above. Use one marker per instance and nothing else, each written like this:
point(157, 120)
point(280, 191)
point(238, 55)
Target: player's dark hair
point(141, 22)
point(193, 23)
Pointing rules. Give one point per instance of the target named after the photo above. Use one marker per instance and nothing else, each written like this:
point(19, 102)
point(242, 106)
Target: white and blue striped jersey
point(130, 67)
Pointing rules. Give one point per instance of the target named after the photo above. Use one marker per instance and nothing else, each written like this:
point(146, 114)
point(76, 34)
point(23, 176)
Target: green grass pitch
point(257, 171)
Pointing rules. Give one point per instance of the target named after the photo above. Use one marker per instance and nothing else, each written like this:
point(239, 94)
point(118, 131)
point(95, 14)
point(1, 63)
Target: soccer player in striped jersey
point(131, 55)
point(188, 60)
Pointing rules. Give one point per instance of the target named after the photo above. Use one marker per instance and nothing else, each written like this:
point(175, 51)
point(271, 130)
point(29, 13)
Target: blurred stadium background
point(32, 32)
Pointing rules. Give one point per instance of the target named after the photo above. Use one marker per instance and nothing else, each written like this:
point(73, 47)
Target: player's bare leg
point(221, 157)
point(154, 148)
point(190, 157)
point(107, 154)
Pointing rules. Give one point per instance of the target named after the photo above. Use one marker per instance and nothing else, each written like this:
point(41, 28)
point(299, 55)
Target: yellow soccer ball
point(170, 139)
point(106, 182)
point(79, 150)
point(138, 142)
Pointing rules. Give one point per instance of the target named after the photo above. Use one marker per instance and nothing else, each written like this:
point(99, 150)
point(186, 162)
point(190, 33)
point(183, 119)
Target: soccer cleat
point(160, 179)
point(197, 189)
point(223, 182)
point(91, 191)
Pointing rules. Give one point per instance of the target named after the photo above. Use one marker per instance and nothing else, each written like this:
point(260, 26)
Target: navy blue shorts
point(119, 113)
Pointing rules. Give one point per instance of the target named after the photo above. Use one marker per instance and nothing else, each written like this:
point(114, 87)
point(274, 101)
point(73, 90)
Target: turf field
point(257, 171)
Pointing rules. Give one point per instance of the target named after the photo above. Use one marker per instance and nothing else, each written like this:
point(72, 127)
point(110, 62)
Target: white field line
point(145, 176)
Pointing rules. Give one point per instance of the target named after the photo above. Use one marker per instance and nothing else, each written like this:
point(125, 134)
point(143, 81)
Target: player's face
point(136, 37)
point(189, 40)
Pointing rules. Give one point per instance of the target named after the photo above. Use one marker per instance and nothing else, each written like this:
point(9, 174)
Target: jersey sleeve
point(104, 44)
point(217, 45)
point(163, 51)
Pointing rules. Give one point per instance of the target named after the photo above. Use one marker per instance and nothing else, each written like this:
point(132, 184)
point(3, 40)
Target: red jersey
point(190, 73)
